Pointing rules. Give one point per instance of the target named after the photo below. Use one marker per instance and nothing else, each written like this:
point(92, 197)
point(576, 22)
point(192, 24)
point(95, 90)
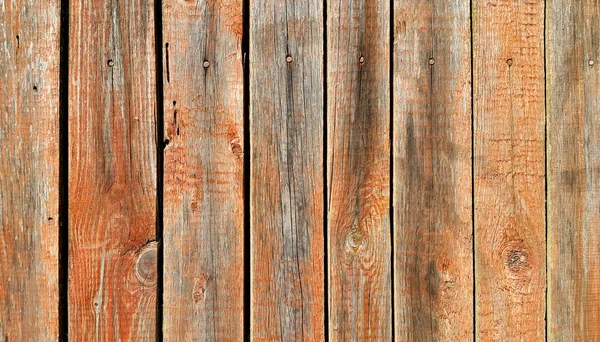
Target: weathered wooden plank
point(29, 158)
point(432, 171)
point(573, 85)
point(287, 183)
point(204, 171)
point(510, 254)
point(358, 176)
point(112, 171)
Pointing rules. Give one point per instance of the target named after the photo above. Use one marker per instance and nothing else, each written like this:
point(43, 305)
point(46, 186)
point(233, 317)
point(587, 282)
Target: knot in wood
point(146, 266)
point(355, 239)
point(516, 260)
point(236, 147)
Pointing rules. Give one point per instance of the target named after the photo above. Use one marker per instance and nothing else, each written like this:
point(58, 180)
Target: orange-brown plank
point(573, 88)
point(112, 171)
point(286, 136)
point(29, 155)
point(204, 171)
point(509, 169)
point(432, 171)
point(358, 171)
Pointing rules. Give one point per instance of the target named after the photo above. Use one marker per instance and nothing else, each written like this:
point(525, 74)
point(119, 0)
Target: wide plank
point(433, 254)
point(573, 87)
point(112, 171)
point(286, 170)
point(509, 170)
point(358, 170)
point(29, 169)
point(203, 171)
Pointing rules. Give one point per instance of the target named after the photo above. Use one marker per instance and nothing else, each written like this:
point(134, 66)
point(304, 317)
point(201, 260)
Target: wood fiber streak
point(573, 85)
point(112, 171)
point(510, 254)
point(432, 171)
point(29, 156)
point(287, 183)
point(358, 179)
point(204, 171)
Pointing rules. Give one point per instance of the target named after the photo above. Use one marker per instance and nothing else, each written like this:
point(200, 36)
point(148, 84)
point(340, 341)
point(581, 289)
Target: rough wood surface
point(286, 136)
point(358, 170)
point(29, 156)
point(510, 254)
point(573, 85)
point(112, 171)
point(204, 171)
point(432, 171)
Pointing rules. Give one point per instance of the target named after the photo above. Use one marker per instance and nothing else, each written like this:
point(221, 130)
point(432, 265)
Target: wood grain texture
point(573, 85)
point(29, 129)
point(112, 171)
point(358, 170)
point(286, 136)
point(432, 171)
point(204, 171)
point(508, 70)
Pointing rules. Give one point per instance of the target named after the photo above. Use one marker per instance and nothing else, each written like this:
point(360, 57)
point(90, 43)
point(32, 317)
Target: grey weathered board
point(358, 170)
point(573, 164)
point(29, 169)
point(286, 170)
point(112, 171)
point(204, 171)
point(433, 254)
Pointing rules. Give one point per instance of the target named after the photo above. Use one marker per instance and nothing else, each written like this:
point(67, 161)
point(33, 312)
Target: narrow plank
point(358, 166)
point(432, 171)
point(287, 183)
point(204, 171)
point(509, 172)
point(112, 171)
point(29, 156)
point(573, 85)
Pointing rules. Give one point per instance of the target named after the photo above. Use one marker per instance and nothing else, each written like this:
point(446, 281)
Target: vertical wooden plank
point(432, 171)
point(204, 171)
point(358, 159)
point(29, 155)
point(573, 84)
point(509, 172)
point(112, 171)
point(286, 136)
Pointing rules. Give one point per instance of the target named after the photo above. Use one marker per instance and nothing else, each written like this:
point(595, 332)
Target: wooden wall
point(365, 170)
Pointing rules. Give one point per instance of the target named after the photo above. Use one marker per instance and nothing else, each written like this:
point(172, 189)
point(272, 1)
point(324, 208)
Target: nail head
point(431, 61)
point(361, 60)
point(111, 63)
point(509, 61)
point(289, 59)
point(591, 62)
point(206, 64)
